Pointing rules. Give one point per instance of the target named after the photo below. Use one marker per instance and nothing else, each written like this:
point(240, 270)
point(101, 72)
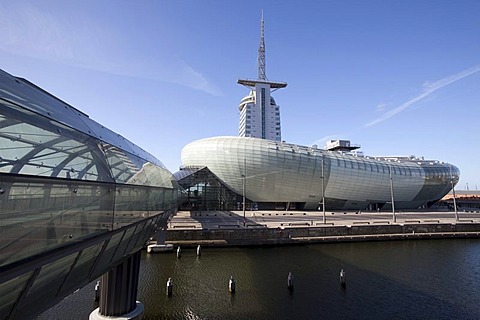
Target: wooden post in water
point(169, 287)
point(231, 285)
point(343, 278)
point(290, 281)
point(199, 251)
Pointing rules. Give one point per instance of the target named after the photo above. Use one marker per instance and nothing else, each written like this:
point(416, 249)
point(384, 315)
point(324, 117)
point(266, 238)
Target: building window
point(263, 112)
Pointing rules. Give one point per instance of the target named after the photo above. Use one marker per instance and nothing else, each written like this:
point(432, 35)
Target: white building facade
point(260, 118)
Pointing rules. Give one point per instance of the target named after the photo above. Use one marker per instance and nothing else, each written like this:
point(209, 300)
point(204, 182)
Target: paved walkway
point(186, 220)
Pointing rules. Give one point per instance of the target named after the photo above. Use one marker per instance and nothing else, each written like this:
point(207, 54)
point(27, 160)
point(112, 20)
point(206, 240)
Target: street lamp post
point(391, 193)
point(323, 192)
point(244, 177)
point(453, 193)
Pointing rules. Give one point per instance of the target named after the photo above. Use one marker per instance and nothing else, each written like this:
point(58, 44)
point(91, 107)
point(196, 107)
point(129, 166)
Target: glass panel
point(107, 255)
point(33, 145)
point(10, 292)
point(82, 267)
point(120, 252)
point(38, 216)
point(46, 284)
point(129, 169)
point(138, 241)
point(29, 96)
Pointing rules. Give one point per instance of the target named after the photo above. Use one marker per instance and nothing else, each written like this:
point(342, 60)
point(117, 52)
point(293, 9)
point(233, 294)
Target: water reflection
point(434, 279)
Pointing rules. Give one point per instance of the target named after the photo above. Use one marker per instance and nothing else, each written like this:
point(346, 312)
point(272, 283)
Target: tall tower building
point(259, 114)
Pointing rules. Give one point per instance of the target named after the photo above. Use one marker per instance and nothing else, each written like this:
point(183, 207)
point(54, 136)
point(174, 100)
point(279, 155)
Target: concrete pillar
point(118, 292)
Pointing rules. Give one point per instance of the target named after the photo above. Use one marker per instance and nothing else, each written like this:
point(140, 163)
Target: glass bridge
point(76, 198)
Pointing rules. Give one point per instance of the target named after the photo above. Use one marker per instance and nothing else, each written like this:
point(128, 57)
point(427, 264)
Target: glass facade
point(75, 198)
point(204, 191)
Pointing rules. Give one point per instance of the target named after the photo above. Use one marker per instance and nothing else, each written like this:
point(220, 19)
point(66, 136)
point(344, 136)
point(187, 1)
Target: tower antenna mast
point(261, 53)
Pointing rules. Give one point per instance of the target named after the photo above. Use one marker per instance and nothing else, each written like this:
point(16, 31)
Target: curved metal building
point(282, 175)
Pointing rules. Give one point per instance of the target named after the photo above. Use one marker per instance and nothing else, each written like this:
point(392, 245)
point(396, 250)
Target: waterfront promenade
point(227, 228)
point(278, 219)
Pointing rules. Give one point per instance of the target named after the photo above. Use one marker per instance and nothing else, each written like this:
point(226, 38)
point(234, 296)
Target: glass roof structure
point(75, 198)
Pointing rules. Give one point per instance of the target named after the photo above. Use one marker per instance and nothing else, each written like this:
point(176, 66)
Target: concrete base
point(358, 230)
point(136, 314)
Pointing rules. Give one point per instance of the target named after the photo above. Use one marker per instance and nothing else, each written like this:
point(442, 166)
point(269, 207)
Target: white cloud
point(36, 33)
point(196, 80)
point(381, 107)
point(33, 33)
point(428, 89)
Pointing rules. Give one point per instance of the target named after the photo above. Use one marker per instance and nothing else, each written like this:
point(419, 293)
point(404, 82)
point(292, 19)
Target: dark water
point(426, 279)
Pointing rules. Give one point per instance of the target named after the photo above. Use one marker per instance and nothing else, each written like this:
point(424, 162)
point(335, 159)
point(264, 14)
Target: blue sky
point(396, 77)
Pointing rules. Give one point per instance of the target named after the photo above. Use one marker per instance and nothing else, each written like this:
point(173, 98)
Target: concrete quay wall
point(328, 233)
